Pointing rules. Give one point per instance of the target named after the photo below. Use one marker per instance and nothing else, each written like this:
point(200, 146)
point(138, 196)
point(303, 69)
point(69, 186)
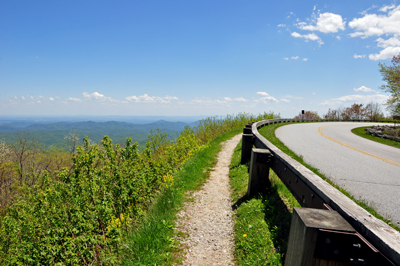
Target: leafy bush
point(80, 215)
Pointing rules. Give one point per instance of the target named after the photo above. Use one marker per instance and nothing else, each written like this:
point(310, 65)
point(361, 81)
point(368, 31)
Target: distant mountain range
point(52, 134)
point(91, 125)
point(23, 121)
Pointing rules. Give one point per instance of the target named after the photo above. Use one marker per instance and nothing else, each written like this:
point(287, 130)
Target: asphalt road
point(368, 170)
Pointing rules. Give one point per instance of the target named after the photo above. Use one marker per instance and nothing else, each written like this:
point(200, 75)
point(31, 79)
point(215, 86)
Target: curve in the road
point(368, 178)
point(353, 148)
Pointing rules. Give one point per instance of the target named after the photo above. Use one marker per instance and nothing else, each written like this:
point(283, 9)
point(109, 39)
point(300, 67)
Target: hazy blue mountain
point(23, 121)
point(52, 134)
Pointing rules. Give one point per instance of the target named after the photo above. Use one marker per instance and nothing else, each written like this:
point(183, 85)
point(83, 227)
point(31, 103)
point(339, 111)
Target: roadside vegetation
point(89, 206)
point(269, 133)
point(360, 131)
point(262, 223)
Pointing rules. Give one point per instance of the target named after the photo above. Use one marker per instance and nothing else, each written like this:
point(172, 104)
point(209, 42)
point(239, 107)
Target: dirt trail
point(208, 219)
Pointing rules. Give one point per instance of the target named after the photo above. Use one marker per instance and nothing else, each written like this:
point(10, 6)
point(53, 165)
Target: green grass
point(153, 242)
point(262, 223)
point(269, 133)
point(360, 131)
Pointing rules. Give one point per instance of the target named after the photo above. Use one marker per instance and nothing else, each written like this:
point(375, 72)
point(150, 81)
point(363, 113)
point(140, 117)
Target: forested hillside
point(53, 134)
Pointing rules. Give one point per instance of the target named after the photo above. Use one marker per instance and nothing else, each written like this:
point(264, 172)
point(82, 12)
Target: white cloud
point(326, 23)
point(266, 98)
point(40, 97)
point(74, 99)
point(386, 8)
point(262, 93)
point(285, 100)
point(145, 98)
point(97, 96)
point(286, 58)
point(295, 57)
point(387, 25)
point(22, 97)
point(386, 53)
point(51, 99)
point(364, 89)
point(31, 97)
point(239, 99)
point(311, 36)
point(376, 25)
point(305, 59)
point(39, 102)
point(356, 56)
point(379, 98)
point(392, 42)
point(338, 37)
point(281, 25)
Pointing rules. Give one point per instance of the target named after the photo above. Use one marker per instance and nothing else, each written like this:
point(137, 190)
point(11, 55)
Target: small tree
point(308, 115)
point(357, 111)
point(373, 111)
point(25, 149)
point(391, 75)
point(73, 140)
point(332, 114)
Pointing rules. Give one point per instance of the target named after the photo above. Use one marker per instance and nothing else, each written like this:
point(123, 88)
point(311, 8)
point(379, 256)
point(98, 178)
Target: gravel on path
point(207, 220)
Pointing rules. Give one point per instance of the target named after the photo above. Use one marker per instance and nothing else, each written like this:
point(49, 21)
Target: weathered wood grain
point(377, 232)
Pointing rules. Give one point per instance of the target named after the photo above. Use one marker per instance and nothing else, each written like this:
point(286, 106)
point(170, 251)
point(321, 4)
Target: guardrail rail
point(380, 242)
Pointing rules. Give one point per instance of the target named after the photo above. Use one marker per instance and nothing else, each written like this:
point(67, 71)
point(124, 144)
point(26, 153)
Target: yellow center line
point(356, 149)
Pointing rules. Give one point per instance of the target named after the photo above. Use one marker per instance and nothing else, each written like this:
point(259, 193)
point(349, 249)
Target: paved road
point(367, 170)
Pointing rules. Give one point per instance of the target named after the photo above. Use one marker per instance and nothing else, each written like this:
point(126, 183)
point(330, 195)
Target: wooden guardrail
point(380, 242)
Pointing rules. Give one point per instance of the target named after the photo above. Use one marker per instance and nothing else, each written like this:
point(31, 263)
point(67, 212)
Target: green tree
point(308, 115)
point(391, 75)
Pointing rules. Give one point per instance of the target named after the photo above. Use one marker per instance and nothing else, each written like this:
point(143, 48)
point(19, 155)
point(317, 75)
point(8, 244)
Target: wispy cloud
point(356, 98)
point(294, 97)
point(145, 98)
point(307, 37)
point(97, 96)
point(364, 89)
point(266, 97)
point(356, 56)
point(239, 99)
point(74, 99)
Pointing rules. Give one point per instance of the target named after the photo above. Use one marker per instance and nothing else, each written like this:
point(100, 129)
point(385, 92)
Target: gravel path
point(207, 219)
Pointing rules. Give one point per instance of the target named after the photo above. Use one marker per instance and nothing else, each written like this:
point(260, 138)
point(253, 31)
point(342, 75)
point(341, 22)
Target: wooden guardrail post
point(259, 171)
point(247, 145)
point(320, 237)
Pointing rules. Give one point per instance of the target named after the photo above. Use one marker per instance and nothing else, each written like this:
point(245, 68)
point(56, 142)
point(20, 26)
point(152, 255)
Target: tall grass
point(262, 223)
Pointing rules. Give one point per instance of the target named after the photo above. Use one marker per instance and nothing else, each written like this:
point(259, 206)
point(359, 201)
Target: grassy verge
point(153, 242)
point(360, 131)
point(269, 133)
point(262, 223)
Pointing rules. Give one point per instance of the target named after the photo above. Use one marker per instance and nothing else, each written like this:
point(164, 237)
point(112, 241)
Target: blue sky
point(192, 57)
